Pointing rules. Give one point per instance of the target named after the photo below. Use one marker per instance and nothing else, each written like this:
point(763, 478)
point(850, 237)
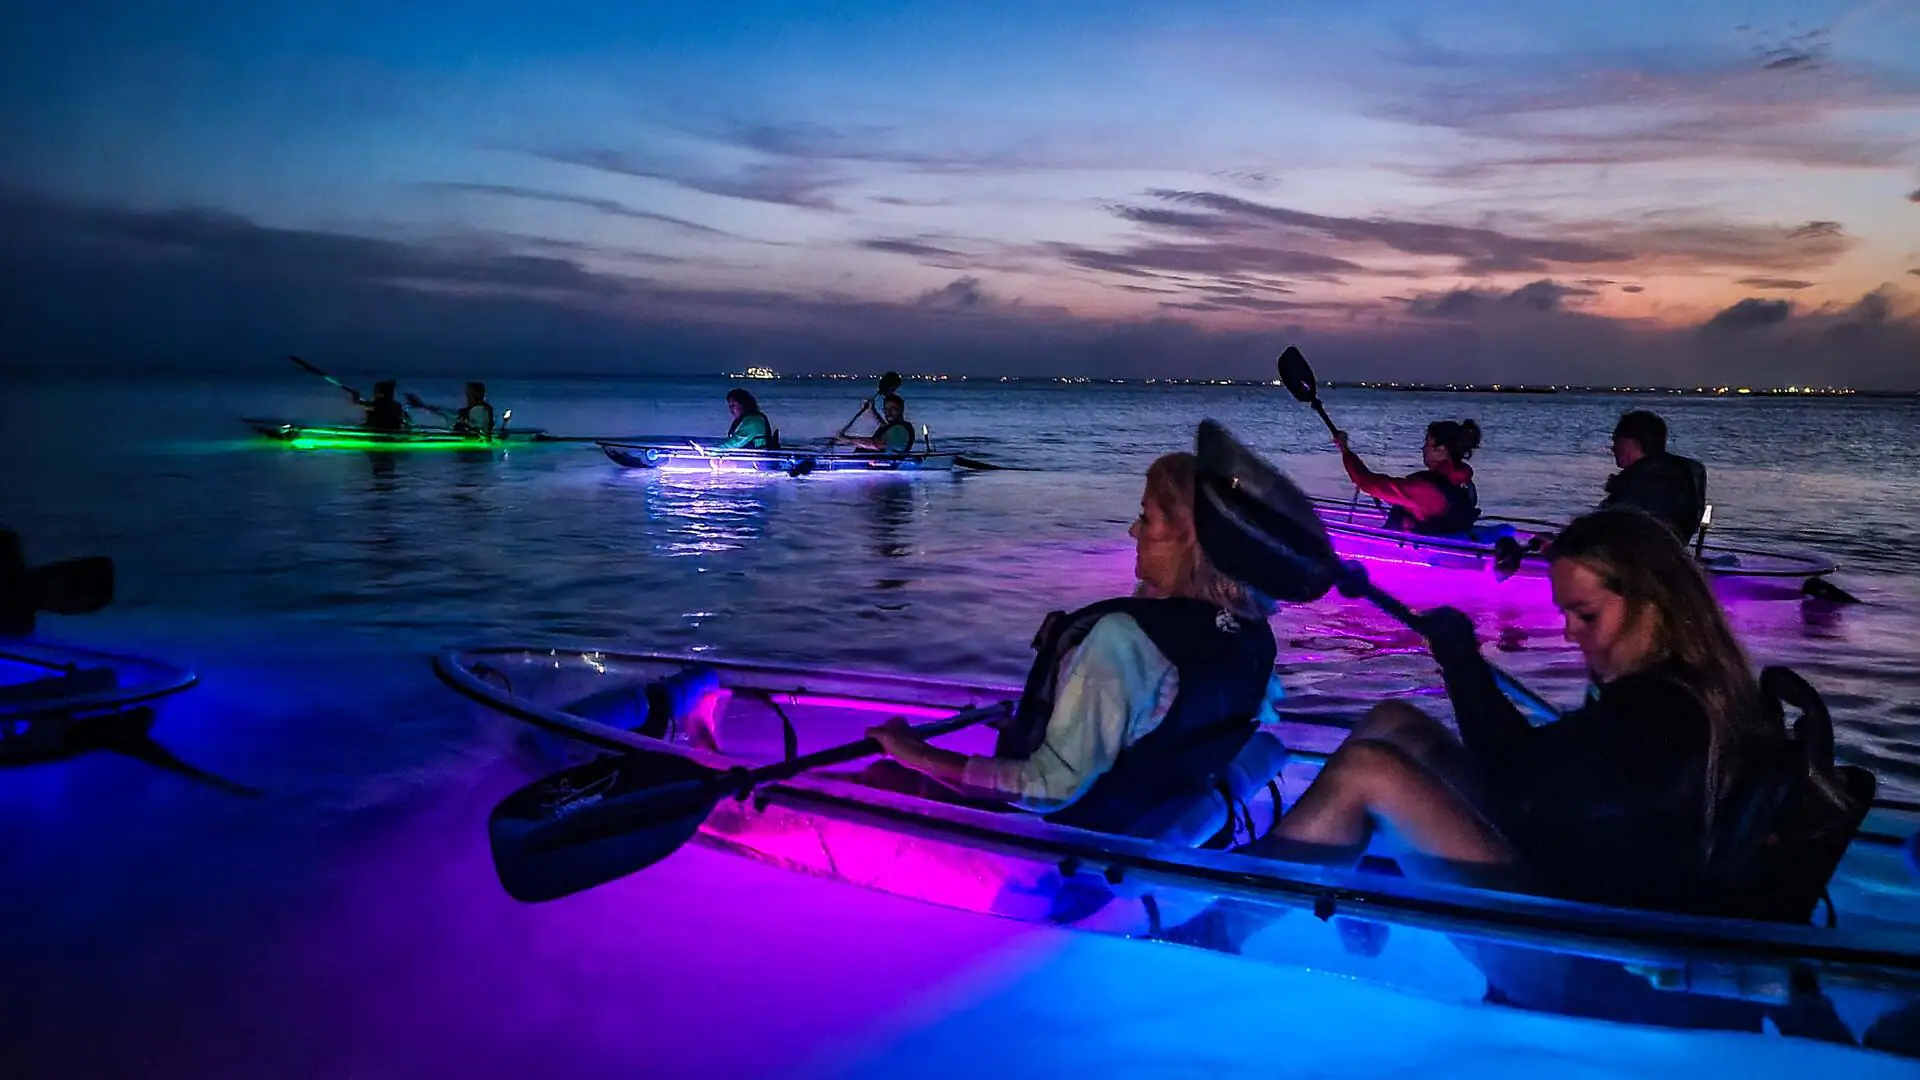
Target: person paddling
point(1136, 709)
point(751, 430)
point(1439, 500)
point(1669, 487)
point(384, 412)
point(476, 416)
point(894, 436)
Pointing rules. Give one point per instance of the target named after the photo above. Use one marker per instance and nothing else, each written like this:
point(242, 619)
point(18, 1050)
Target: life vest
point(386, 414)
point(887, 429)
point(763, 441)
point(1224, 666)
point(1669, 487)
point(1463, 508)
point(463, 420)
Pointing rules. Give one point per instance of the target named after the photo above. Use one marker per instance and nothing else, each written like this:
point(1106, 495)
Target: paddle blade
point(74, 586)
point(1298, 375)
point(1255, 525)
point(593, 823)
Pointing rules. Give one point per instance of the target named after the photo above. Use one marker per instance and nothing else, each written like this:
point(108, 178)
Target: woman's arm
point(1115, 687)
point(1419, 496)
point(1492, 727)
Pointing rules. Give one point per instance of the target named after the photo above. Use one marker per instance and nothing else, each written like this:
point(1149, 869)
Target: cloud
point(1914, 195)
point(1537, 296)
point(960, 294)
point(1517, 113)
point(895, 246)
point(1152, 259)
point(780, 184)
point(1750, 314)
point(99, 287)
point(1775, 283)
point(1633, 288)
point(605, 206)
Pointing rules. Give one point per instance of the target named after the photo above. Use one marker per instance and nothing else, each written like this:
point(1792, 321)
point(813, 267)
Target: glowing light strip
point(854, 704)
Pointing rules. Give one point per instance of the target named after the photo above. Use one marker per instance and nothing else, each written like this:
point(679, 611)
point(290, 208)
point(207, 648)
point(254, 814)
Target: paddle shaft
point(1321, 410)
point(316, 371)
point(689, 799)
point(1404, 615)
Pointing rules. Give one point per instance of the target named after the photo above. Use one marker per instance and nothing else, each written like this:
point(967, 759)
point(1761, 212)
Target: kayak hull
point(688, 456)
point(47, 689)
point(301, 436)
point(1446, 940)
point(1357, 534)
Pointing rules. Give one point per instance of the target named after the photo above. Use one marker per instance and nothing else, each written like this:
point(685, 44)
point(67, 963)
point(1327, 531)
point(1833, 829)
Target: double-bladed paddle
point(1298, 376)
point(592, 823)
point(316, 371)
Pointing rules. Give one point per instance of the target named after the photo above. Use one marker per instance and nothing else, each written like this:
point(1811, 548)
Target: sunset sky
point(1720, 190)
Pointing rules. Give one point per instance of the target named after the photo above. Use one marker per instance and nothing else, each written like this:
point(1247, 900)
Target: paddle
point(592, 823)
point(1257, 526)
point(316, 371)
point(1298, 375)
point(67, 587)
point(413, 399)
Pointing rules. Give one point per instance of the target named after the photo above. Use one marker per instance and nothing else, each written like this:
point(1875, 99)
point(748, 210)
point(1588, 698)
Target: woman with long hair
point(1618, 801)
point(1136, 707)
point(750, 430)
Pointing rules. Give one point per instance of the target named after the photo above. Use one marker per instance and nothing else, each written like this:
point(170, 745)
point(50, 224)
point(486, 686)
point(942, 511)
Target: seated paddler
point(751, 430)
point(1668, 486)
point(1136, 708)
point(1439, 499)
point(1625, 800)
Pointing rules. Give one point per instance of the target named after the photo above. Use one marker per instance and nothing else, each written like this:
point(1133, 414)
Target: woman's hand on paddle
point(897, 739)
point(1449, 633)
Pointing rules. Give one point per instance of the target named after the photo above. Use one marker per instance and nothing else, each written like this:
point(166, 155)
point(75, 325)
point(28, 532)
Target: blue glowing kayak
point(46, 688)
point(1857, 981)
point(688, 455)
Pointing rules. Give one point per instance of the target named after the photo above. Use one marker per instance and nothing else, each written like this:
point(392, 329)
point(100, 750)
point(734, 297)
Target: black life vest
point(757, 442)
point(1224, 666)
point(1669, 487)
point(463, 420)
point(386, 414)
point(1463, 508)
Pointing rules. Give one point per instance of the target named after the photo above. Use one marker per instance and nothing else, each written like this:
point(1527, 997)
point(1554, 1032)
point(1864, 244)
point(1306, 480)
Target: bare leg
point(1426, 740)
point(1370, 784)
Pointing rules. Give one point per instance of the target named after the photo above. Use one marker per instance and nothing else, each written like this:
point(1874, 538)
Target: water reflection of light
point(705, 518)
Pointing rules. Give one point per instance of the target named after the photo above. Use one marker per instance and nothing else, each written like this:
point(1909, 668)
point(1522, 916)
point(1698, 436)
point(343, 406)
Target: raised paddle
point(1257, 526)
point(592, 823)
point(316, 371)
point(1298, 375)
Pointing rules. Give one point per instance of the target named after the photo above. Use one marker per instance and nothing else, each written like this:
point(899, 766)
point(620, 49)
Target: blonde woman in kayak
point(1616, 802)
point(1135, 709)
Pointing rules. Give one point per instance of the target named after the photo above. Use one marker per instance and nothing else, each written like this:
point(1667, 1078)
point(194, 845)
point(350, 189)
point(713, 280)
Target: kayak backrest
point(1781, 837)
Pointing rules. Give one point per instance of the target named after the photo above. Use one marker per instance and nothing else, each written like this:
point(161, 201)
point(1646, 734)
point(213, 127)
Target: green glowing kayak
point(350, 437)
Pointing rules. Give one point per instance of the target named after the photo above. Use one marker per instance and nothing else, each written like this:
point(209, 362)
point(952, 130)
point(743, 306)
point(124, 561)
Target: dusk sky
point(1701, 192)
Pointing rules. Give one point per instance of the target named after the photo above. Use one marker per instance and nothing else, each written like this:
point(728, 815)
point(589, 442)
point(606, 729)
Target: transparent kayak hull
point(1357, 533)
point(45, 688)
point(689, 457)
point(1858, 982)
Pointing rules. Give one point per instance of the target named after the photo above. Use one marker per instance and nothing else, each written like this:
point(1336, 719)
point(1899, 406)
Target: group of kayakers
point(386, 414)
point(1136, 708)
point(1441, 500)
point(751, 430)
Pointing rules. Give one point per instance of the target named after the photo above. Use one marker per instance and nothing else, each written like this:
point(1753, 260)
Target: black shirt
point(1607, 803)
point(1667, 486)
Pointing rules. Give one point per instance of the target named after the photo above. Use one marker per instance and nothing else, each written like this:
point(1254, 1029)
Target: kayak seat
point(1781, 839)
point(657, 709)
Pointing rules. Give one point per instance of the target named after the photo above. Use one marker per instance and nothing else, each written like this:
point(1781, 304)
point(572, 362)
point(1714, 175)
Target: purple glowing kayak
point(1859, 979)
point(1358, 533)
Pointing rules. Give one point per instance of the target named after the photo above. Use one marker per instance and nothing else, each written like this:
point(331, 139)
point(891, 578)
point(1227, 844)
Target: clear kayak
point(46, 688)
point(302, 436)
point(1856, 981)
point(688, 455)
point(1358, 533)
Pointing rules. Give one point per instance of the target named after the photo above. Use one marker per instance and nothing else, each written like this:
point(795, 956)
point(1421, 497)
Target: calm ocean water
point(343, 921)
